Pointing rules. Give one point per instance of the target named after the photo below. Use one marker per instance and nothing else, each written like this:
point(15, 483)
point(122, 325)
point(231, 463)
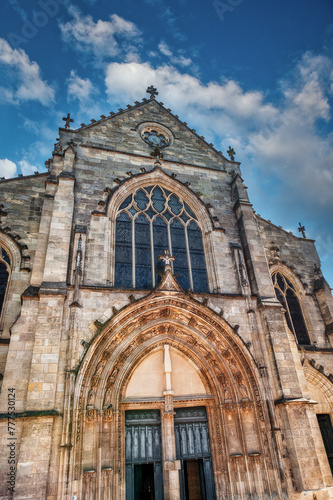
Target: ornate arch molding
point(319, 380)
point(158, 176)
point(291, 275)
point(14, 269)
point(181, 322)
point(238, 419)
point(13, 250)
point(299, 290)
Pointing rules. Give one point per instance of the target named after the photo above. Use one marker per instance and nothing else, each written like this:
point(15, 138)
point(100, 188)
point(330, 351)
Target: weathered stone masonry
point(88, 360)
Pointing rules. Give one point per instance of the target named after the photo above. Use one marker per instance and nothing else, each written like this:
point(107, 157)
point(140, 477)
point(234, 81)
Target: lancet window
point(149, 221)
point(5, 266)
point(286, 294)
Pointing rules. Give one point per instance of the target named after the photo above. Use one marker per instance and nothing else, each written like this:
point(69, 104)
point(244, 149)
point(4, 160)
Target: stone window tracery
point(286, 294)
point(155, 135)
point(5, 267)
point(149, 221)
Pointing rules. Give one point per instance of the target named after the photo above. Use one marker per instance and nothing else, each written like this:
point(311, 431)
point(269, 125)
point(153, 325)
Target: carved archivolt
point(240, 443)
point(319, 380)
point(157, 176)
point(225, 366)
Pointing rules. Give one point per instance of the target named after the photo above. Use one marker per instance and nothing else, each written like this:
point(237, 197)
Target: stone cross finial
point(152, 91)
point(167, 259)
point(231, 152)
point(301, 229)
point(157, 155)
point(68, 120)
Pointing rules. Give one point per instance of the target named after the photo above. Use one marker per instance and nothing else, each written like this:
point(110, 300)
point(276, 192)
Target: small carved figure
point(227, 393)
point(99, 369)
point(243, 391)
point(112, 377)
point(94, 382)
point(91, 397)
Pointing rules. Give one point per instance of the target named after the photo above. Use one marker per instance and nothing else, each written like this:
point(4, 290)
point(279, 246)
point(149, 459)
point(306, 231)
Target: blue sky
point(253, 74)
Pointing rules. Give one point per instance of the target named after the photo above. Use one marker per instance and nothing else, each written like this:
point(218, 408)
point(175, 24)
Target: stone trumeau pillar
point(171, 465)
point(47, 362)
point(295, 412)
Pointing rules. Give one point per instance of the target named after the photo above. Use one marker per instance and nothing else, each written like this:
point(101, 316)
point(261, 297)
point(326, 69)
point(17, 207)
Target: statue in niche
point(99, 368)
point(226, 353)
point(242, 387)
point(112, 377)
point(216, 368)
point(109, 385)
point(94, 382)
point(233, 365)
point(107, 398)
point(91, 397)
point(202, 349)
point(243, 391)
point(227, 393)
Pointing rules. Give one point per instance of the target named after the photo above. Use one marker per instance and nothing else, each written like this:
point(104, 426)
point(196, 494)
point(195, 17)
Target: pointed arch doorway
point(173, 435)
point(169, 353)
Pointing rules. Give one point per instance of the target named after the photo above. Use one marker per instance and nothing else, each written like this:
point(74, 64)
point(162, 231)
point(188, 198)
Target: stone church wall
point(78, 342)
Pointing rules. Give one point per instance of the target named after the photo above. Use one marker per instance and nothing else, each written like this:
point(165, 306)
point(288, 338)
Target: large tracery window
point(149, 221)
point(286, 294)
point(5, 265)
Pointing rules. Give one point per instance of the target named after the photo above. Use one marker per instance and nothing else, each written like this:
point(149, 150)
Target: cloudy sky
point(253, 74)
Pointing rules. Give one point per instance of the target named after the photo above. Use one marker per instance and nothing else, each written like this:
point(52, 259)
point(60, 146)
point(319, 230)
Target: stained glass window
point(4, 274)
point(286, 294)
point(150, 221)
point(123, 257)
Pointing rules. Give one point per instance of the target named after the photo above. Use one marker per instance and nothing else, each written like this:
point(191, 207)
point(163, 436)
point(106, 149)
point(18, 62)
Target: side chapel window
point(5, 266)
point(286, 294)
point(149, 221)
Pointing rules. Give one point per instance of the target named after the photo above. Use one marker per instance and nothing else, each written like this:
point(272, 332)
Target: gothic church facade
point(159, 339)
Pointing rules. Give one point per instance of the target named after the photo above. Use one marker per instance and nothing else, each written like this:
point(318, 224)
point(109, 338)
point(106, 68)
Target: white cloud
point(102, 39)
point(283, 140)
point(28, 84)
point(27, 168)
point(185, 92)
point(80, 88)
point(180, 59)
point(307, 88)
point(7, 168)
point(164, 49)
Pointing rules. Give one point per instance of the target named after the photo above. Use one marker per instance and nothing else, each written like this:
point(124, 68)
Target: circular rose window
point(155, 137)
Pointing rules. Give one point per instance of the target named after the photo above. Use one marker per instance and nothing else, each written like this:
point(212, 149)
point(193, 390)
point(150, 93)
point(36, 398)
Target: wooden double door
point(143, 441)
point(193, 449)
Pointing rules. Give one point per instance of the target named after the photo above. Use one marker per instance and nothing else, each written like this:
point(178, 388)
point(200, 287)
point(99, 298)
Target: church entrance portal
point(144, 476)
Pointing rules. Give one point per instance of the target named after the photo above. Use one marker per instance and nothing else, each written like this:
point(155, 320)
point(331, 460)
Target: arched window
point(5, 266)
point(149, 221)
point(286, 294)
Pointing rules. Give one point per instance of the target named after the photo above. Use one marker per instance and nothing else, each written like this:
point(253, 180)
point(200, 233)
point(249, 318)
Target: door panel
point(143, 450)
point(193, 449)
